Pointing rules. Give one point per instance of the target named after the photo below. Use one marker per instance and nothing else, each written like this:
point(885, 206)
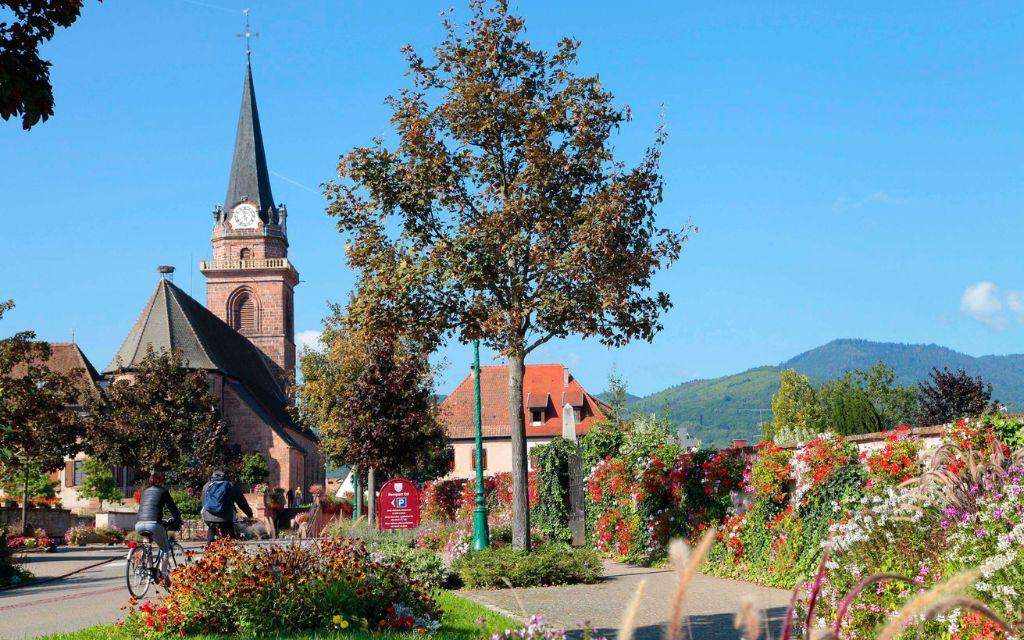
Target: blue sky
point(854, 171)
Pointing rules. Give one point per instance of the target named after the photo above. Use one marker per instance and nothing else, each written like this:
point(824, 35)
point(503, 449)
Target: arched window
point(245, 254)
point(244, 313)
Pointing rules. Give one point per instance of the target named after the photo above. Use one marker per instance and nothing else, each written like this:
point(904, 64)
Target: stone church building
point(245, 335)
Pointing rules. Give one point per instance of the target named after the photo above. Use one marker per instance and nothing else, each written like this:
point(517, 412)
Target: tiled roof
point(541, 381)
point(67, 358)
point(172, 320)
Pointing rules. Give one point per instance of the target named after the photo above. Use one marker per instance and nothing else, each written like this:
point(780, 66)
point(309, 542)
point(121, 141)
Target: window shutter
point(69, 473)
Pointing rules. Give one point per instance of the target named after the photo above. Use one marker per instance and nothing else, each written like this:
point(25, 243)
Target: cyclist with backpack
point(220, 497)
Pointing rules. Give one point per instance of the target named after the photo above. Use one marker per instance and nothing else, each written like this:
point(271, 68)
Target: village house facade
point(554, 404)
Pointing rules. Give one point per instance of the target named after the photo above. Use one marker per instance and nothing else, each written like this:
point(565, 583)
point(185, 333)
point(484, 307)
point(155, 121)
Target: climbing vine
point(552, 513)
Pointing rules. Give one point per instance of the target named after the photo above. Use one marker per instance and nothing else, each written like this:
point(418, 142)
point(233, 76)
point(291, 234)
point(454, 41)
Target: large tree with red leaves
point(501, 213)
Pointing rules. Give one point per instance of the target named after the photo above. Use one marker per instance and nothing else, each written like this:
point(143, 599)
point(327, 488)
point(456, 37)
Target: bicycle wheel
point(137, 572)
point(178, 557)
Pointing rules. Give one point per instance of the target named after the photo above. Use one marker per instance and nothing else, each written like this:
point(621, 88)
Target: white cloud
point(981, 302)
point(1015, 302)
point(308, 338)
point(844, 203)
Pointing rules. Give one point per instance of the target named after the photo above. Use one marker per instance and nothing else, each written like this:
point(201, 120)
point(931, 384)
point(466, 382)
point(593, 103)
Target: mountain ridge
point(719, 409)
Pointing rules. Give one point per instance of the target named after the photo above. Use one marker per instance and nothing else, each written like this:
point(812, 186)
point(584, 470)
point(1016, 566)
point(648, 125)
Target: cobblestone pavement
point(711, 603)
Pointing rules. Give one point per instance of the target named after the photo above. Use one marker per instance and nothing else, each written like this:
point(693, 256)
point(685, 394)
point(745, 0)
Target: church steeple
point(250, 179)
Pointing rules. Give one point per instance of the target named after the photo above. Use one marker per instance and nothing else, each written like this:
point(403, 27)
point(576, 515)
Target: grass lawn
point(460, 622)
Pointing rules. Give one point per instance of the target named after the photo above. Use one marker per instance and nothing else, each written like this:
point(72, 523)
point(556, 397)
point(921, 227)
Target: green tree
point(99, 482)
point(161, 416)
point(501, 213)
point(40, 485)
point(254, 469)
point(371, 395)
point(40, 410)
point(896, 404)
point(793, 407)
point(617, 394)
point(25, 88)
point(846, 409)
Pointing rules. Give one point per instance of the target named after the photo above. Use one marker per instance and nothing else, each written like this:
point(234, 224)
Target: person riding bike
point(154, 499)
point(220, 497)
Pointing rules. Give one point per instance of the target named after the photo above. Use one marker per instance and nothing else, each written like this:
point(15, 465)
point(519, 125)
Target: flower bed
point(286, 588)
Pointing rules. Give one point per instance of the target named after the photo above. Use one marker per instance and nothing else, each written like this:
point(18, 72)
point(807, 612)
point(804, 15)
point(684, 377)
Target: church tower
point(250, 282)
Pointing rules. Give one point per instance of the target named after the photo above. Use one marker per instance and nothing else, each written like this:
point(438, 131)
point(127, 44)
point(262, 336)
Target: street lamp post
point(357, 495)
point(481, 535)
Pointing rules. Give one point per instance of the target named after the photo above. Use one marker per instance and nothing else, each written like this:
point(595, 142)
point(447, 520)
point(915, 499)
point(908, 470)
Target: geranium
point(819, 459)
point(897, 461)
point(723, 472)
point(771, 470)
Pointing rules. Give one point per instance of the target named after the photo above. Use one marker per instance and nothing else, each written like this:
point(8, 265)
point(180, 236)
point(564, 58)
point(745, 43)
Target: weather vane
point(248, 33)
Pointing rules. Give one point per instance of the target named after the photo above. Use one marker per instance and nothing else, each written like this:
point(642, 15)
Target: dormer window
point(537, 405)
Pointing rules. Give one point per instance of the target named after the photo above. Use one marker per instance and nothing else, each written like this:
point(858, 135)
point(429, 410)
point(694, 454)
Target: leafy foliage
point(845, 409)
point(949, 396)
point(162, 417)
point(552, 510)
point(793, 407)
point(254, 469)
point(371, 394)
point(501, 214)
point(40, 485)
point(191, 506)
point(286, 588)
point(40, 418)
point(99, 482)
point(550, 564)
point(25, 77)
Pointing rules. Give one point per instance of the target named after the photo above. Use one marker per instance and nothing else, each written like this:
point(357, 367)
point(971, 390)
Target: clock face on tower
point(244, 216)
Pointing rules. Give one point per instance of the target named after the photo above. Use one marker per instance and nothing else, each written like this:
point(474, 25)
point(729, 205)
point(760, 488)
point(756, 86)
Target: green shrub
point(189, 505)
point(426, 566)
point(549, 565)
point(254, 469)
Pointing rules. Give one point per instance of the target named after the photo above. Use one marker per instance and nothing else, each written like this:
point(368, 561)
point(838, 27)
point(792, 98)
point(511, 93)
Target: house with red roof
point(554, 404)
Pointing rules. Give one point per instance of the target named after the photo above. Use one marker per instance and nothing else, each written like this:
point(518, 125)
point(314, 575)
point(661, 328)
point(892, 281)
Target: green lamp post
point(481, 535)
point(357, 495)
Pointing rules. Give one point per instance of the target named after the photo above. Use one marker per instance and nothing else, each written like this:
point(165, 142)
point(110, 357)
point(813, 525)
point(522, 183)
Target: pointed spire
point(250, 179)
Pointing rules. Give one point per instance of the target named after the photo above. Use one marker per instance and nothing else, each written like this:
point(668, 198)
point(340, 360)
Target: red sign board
point(398, 505)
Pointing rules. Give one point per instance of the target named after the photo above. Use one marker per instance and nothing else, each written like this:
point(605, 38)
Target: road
point(94, 595)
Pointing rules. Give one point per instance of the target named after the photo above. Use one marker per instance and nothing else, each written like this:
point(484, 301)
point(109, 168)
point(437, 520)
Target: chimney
point(565, 376)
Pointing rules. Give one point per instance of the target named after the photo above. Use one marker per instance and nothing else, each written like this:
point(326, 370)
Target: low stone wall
point(54, 521)
point(118, 519)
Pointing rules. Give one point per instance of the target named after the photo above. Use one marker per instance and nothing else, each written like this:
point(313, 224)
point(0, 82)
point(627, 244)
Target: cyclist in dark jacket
point(220, 522)
point(154, 499)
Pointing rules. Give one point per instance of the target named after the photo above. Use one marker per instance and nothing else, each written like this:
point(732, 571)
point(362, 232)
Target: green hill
point(720, 409)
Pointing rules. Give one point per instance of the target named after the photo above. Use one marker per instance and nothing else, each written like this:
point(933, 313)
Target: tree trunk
point(520, 477)
point(24, 506)
point(371, 496)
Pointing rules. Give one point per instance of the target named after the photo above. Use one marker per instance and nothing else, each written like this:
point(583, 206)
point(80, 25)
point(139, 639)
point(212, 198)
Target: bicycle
point(142, 566)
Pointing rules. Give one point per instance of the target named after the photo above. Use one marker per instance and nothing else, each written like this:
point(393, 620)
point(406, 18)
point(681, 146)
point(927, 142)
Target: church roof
point(250, 179)
point(173, 321)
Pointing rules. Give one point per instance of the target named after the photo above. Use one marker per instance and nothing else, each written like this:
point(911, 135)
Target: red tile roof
point(68, 359)
point(540, 381)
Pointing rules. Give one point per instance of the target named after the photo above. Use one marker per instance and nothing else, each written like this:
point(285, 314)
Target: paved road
point(711, 604)
point(91, 597)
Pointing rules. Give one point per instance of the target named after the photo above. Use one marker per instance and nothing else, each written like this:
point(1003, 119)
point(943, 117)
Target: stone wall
point(54, 521)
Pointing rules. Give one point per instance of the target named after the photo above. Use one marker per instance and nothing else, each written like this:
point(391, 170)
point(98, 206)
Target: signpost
point(398, 505)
